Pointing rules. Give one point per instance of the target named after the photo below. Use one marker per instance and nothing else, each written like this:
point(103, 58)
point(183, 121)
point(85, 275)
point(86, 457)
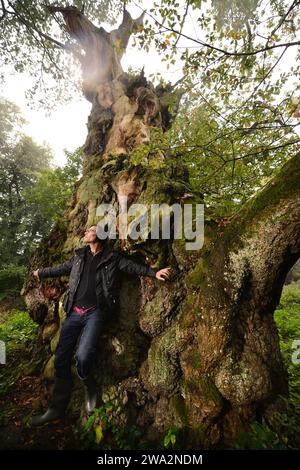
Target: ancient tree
point(201, 351)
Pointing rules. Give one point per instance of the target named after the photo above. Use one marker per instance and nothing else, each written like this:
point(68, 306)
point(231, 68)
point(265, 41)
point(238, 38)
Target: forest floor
point(26, 398)
point(23, 392)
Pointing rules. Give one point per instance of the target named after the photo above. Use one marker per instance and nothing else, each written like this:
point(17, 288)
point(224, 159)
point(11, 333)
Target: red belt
point(81, 310)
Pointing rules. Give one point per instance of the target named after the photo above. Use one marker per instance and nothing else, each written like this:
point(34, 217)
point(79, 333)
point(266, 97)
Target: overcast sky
point(52, 129)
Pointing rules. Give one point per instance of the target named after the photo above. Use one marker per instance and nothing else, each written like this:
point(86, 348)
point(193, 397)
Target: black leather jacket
point(111, 263)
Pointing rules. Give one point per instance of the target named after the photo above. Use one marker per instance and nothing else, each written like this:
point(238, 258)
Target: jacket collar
point(107, 252)
point(81, 251)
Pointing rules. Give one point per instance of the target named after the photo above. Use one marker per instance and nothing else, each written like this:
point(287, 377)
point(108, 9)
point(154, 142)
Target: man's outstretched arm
point(129, 266)
point(63, 269)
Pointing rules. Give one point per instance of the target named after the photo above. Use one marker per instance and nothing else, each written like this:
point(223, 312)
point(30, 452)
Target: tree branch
point(182, 23)
point(225, 52)
point(4, 11)
point(32, 27)
point(294, 5)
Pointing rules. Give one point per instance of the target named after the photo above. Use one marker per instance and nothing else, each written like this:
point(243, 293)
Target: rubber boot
point(58, 404)
point(91, 392)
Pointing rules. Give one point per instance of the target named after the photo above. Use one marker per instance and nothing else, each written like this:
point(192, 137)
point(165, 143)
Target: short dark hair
point(97, 238)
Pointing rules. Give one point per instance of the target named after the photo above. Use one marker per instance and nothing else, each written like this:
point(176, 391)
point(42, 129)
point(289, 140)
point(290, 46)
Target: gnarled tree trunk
point(200, 352)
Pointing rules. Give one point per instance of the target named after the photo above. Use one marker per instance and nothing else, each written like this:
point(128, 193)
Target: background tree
point(20, 158)
point(58, 183)
point(33, 195)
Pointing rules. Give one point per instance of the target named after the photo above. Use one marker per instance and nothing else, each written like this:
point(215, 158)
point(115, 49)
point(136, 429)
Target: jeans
point(91, 325)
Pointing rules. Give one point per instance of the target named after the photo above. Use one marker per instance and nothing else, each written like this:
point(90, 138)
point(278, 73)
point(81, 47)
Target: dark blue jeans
point(90, 325)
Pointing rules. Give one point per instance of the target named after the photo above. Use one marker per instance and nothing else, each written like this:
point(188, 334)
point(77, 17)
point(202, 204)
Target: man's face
point(90, 234)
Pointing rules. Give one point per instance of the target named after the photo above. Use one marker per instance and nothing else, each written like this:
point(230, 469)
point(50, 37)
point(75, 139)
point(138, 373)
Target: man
point(90, 299)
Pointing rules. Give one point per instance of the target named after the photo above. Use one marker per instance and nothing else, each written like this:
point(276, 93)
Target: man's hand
point(36, 274)
point(163, 274)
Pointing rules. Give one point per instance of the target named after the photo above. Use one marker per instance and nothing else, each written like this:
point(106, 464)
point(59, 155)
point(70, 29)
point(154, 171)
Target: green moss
point(90, 187)
point(284, 185)
point(162, 360)
point(71, 244)
point(160, 185)
point(210, 390)
point(196, 436)
point(48, 372)
point(179, 245)
point(199, 274)
point(206, 388)
point(194, 359)
point(154, 311)
point(177, 403)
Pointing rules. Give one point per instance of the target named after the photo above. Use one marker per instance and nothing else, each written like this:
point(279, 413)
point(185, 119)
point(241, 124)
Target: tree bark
point(199, 352)
point(238, 284)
